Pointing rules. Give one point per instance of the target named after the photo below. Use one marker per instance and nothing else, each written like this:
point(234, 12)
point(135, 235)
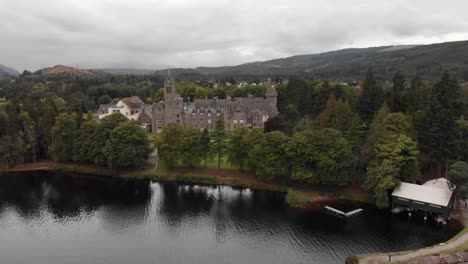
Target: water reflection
point(70, 219)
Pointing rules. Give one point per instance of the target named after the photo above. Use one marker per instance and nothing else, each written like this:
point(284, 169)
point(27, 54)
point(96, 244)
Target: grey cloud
point(189, 33)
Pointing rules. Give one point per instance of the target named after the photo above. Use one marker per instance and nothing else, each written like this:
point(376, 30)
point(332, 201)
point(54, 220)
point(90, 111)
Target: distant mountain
point(342, 65)
point(60, 69)
point(125, 71)
point(349, 64)
point(7, 71)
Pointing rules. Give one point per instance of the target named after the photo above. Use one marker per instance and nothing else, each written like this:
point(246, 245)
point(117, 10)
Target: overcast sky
point(155, 34)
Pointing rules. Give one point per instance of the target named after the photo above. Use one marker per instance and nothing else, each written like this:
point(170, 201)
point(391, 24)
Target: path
point(383, 258)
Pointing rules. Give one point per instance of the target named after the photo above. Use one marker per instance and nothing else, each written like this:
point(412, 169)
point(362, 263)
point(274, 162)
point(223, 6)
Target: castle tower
point(272, 97)
point(169, 88)
point(173, 103)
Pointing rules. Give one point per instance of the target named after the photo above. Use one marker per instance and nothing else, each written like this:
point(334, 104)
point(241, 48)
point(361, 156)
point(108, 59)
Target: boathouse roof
point(433, 192)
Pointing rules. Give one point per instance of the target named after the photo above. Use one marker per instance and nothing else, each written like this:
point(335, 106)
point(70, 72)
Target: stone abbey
point(239, 111)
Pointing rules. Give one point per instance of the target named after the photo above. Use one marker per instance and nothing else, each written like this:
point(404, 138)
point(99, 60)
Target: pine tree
point(399, 90)
point(371, 97)
point(439, 132)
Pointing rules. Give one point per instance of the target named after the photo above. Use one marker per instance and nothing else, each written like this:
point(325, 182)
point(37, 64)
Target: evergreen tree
point(356, 134)
point(418, 96)
point(438, 133)
point(371, 98)
point(399, 91)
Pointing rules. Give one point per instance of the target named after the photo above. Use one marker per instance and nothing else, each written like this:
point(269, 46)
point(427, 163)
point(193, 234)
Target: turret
point(272, 97)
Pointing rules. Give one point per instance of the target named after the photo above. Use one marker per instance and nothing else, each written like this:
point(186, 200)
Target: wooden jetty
point(339, 213)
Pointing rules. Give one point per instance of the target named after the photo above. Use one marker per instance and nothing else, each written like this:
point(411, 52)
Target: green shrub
point(238, 183)
point(195, 179)
point(297, 198)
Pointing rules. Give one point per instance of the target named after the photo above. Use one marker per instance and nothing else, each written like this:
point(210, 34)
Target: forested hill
point(350, 64)
point(7, 71)
point(430, 61)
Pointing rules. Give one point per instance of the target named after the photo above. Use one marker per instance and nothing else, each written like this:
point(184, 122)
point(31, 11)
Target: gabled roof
point(423, 193)
point(132, 102)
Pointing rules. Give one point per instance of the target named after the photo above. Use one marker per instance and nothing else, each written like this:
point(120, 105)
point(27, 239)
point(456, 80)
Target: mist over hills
point(351, 64)
point(342, 65)
point(7, 71)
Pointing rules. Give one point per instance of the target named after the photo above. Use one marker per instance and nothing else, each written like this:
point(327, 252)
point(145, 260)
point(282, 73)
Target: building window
point(209, 121)
point(209, 114)
point(116, 111)
point(241, 121)
point(235, 121)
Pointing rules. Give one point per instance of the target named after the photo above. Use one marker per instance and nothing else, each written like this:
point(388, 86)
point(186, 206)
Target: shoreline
point(234, 178)
point(210, 176)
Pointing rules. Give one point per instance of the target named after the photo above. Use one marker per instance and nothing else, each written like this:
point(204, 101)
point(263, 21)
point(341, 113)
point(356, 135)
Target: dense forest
point(377, 132)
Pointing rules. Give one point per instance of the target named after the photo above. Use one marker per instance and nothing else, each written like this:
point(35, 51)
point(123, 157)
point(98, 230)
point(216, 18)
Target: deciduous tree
point(269, 155)
point(321, 157)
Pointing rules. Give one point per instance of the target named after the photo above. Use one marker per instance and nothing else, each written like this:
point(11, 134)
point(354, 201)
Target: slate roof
point(133, 102)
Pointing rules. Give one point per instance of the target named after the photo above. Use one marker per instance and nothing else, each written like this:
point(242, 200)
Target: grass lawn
point(213, 164)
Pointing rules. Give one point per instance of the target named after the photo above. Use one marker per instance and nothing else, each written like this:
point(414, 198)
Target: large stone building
point(239, 111)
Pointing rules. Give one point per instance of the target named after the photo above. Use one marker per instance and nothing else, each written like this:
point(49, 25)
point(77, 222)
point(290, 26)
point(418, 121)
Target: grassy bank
point(83, 169)
point(228, 175)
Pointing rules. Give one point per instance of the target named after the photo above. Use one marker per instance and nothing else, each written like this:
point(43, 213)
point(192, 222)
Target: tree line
point(377, 133)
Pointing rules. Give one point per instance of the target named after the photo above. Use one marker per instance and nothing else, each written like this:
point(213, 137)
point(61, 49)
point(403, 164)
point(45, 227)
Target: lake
point(48, 218)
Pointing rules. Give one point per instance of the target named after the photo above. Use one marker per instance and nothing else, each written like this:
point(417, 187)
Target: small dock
point(339, 213)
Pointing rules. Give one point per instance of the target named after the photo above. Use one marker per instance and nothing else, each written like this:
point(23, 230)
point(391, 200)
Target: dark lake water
point(57, 219)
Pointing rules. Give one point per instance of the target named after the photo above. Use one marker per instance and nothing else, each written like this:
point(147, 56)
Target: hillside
point(7, 71)
point(350, 64)
point(341, 65)
point(60, 69)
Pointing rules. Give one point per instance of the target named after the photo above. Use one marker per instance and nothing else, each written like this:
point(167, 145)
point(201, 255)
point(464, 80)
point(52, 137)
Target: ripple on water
point(122, 221)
